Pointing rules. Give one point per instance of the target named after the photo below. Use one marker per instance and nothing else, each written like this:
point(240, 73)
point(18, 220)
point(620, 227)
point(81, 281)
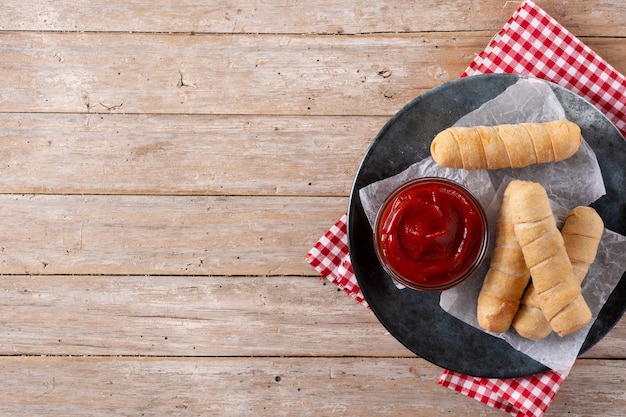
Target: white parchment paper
point(575, 181)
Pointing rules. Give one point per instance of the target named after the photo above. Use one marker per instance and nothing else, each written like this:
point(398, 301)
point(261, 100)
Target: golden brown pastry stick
point(581, 231)
point(506, 279)
point(544, 251)
point(505, 146)
point(529, 322)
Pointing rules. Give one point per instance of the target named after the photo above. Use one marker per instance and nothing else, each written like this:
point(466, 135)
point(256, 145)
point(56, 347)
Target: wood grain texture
point(224, 386)
point(186, 316)
point(182, 154)
point(230, 316)
point(236, 74)
point(586, 18)
point(207, 235)
point(49, 386)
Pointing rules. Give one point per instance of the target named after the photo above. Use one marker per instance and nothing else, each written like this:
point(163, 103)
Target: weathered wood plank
point(52, 386)
point(237, 74)
point(186, 316)
point(198, 316)
point(55, 386)
point(99, 234)
point(586, 18)
point(182, 154)
point(587, 390)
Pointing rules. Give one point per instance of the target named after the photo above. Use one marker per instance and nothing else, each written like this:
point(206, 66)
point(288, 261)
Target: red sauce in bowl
point(431, 234)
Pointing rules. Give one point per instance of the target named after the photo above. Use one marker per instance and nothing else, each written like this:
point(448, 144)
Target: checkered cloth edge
point(331, 259)
point(520, 397)
point(530, 43)
point(533, 43)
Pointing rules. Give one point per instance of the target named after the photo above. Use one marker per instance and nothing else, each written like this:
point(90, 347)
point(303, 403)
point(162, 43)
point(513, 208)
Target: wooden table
point(165, 166)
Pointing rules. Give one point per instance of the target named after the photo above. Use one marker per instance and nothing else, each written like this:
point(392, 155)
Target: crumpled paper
point(575, 181)
point(557, 353)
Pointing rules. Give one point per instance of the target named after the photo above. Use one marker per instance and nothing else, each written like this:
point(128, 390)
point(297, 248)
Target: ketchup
point(431, 232)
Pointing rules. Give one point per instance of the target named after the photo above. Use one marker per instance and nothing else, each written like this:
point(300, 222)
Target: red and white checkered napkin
point(533, 43)
point(530, 43)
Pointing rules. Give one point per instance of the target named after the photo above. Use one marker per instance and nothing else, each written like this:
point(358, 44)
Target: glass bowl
point(431, 234)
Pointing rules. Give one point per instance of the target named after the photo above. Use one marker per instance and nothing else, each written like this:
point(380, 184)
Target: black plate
point(415, 318)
